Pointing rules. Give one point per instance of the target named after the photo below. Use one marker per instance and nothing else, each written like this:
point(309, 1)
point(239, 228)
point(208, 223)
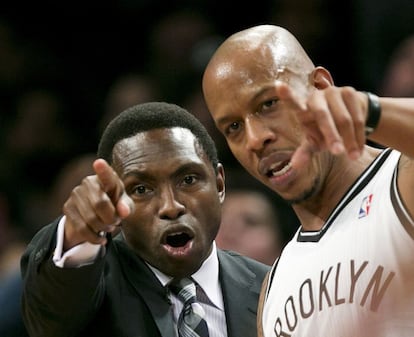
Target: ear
point(220, 179)
point(321, 78)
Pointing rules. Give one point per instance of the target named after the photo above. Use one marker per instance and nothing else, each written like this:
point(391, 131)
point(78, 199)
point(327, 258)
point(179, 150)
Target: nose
point(258, 133)
point(170, 206)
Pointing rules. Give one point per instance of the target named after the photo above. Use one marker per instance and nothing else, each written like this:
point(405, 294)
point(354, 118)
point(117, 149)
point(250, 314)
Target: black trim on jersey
point(399, 207)
point(271, 276)
point(356, 187)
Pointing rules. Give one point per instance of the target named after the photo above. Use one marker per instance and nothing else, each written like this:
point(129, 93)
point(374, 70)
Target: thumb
point(302, 155)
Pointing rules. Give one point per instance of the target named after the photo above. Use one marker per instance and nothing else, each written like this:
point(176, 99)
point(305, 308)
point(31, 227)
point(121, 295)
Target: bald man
point(348, 269)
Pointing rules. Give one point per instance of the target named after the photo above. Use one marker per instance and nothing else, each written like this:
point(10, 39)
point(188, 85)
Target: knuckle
point(90, 219)
point(359, 121)
point(102, 205)
point(320, 111)
point(348, 92)
point(344, 121)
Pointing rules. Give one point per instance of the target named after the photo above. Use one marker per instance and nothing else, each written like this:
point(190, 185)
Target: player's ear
point(321, 78)
point(220, 178)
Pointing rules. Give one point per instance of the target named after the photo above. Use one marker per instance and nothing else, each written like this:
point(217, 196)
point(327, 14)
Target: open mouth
point(279, 169)
point(179, 239)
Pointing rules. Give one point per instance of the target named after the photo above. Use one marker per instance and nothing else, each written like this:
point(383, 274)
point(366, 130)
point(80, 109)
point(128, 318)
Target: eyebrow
point(191, 166)
point(262, 91)
point(140, 175)
point(224, 121)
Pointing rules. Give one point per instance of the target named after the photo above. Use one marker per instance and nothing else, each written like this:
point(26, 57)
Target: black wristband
point(374, 113)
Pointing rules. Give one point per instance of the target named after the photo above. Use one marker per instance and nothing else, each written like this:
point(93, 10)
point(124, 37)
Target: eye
point(232, 128)
point(139, 190)
point(268, 106)
point(189, 179)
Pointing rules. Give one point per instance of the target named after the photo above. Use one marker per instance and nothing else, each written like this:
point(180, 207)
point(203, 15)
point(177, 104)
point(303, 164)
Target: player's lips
point(178, 240)
point(275, 164)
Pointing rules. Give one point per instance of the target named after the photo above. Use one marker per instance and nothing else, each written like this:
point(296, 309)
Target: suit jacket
point(119, 296)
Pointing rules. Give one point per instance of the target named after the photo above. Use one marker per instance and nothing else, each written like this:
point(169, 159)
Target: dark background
point(74, 51)
point(62, 65)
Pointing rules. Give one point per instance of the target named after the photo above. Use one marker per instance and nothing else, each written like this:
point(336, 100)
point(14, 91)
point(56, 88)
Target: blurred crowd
point(66, 71)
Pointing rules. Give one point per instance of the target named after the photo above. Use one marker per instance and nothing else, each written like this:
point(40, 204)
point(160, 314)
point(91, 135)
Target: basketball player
point(348, 270)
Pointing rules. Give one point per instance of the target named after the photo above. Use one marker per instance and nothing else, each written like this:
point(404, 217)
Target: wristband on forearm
point(374, 113)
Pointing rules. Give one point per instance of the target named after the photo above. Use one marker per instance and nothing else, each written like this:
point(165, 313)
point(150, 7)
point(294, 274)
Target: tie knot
point(185, 290)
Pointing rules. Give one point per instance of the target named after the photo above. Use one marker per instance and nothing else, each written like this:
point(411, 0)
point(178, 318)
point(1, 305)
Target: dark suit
point(120, 296)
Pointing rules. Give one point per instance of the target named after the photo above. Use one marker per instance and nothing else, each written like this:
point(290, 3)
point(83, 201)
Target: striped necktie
point(191, 322)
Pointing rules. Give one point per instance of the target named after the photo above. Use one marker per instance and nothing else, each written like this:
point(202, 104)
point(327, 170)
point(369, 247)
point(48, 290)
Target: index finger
point(113, 187)
point(106, 175)
point(285, 92)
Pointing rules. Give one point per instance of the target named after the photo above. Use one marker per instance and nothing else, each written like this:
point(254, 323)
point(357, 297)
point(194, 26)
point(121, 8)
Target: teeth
point(282, 171)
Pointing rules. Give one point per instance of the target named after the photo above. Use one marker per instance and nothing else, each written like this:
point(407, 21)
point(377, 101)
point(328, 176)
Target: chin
point(305, 195)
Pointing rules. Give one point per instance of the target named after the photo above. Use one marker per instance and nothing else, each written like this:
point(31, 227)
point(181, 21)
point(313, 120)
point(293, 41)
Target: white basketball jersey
point(354, 277)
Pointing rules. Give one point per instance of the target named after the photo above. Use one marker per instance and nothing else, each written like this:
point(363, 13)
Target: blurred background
point(67, 69)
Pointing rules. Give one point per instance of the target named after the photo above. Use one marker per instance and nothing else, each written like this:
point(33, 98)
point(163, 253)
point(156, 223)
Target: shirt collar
point(207, 276)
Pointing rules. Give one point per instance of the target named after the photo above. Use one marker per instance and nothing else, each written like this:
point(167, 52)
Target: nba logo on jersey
point(365, 206)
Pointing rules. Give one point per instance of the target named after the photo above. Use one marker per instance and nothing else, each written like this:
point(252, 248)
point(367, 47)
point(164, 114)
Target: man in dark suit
point(147, 217)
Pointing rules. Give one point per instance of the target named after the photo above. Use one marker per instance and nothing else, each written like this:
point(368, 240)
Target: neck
point(343, 172)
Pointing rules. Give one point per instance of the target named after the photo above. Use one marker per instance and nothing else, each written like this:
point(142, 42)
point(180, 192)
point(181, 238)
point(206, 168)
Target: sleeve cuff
point(78, 256)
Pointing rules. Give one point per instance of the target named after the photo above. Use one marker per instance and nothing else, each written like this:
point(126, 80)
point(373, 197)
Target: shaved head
point(267, 50)
point(265, 40)
point(251, 61)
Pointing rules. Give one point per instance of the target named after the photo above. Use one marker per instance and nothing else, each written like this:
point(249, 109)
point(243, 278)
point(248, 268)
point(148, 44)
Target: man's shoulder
point(236, 259)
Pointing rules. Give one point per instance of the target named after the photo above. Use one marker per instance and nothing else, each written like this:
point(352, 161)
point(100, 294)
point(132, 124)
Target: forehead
point(158, 147)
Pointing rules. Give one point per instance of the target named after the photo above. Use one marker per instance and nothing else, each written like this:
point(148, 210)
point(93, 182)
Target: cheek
point(241, 155)
point(138, 233)
point(210, 214)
